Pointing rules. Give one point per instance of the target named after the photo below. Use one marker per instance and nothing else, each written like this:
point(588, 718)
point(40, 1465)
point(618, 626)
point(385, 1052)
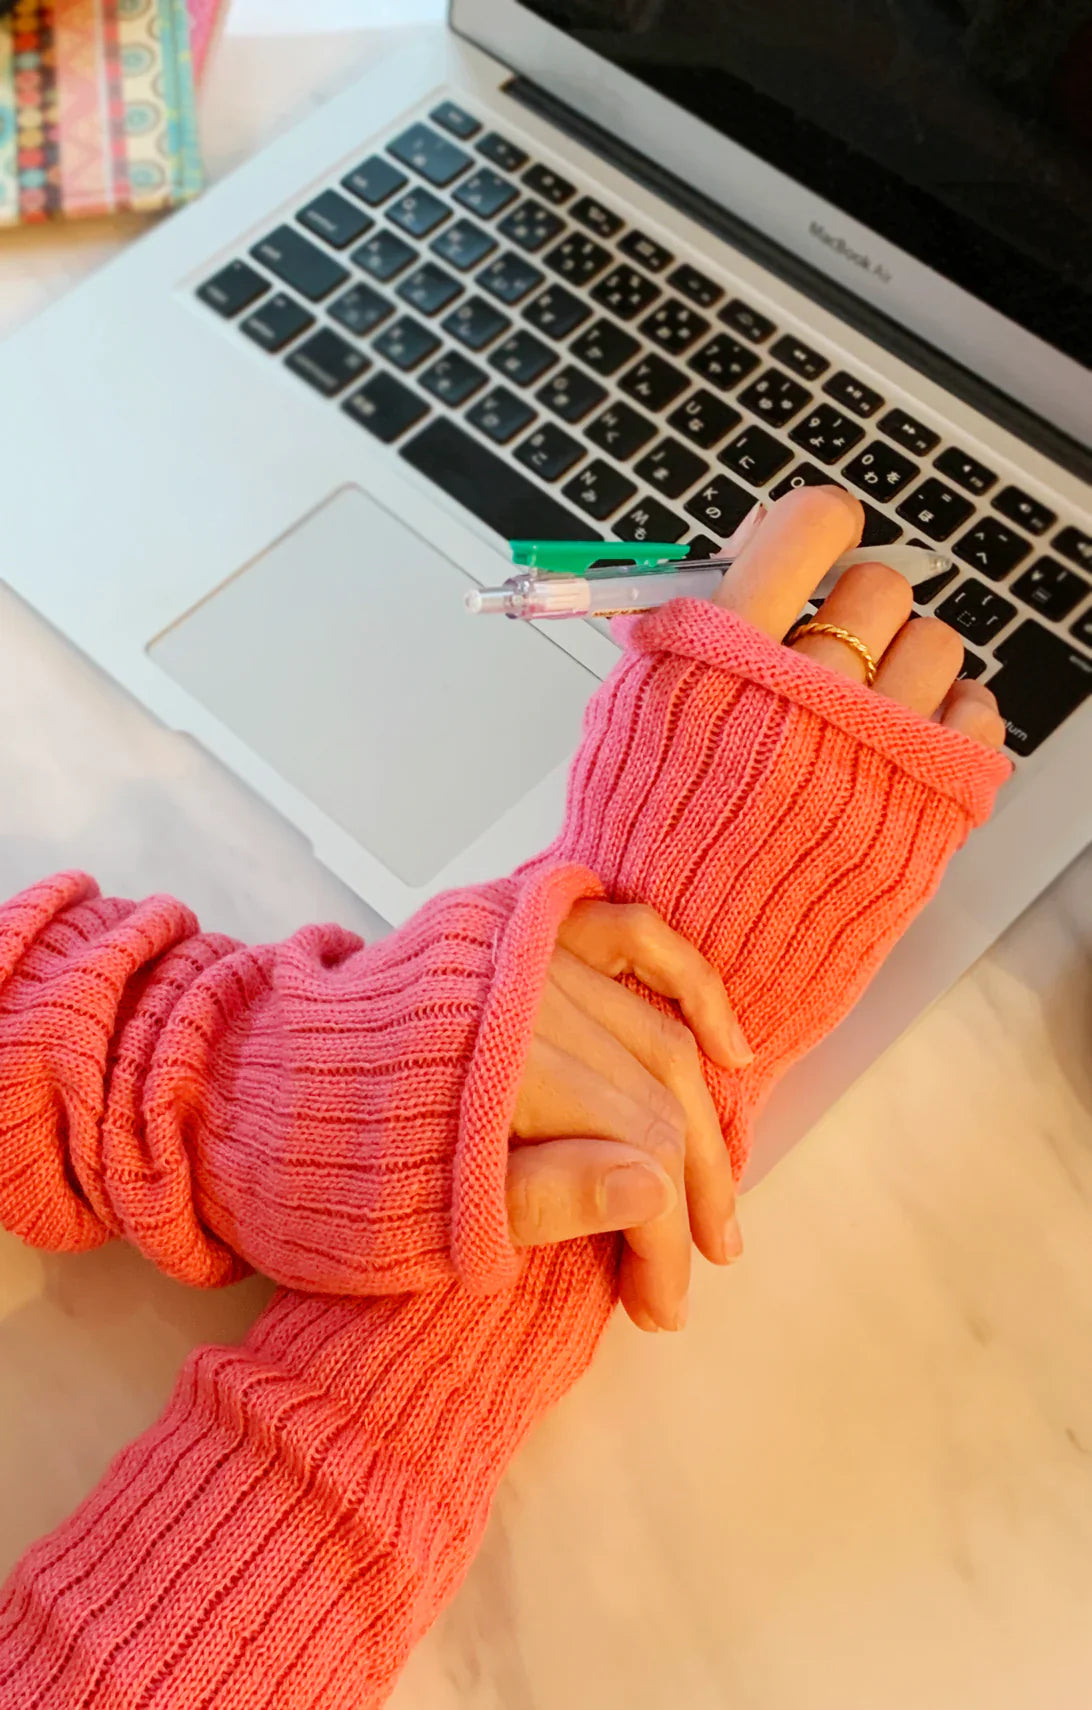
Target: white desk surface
point(862, 1478)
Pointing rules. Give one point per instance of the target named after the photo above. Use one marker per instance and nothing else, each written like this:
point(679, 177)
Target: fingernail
point(741, 1051)
point(733, 1239)
point(682, 1313)
point(635, 1193)
point(645, 1321)
point(745, 530)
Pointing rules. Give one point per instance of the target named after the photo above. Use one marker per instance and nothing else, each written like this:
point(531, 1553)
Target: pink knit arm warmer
point(310, 1500)
point(333, 1116)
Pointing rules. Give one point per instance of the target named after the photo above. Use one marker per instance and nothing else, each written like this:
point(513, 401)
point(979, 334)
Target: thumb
point(560, 1189)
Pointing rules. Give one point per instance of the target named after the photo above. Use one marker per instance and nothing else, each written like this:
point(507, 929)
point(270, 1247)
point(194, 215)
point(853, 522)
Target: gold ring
point(839, 634)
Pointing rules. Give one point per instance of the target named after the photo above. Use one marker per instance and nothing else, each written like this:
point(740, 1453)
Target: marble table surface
point(862, 1478)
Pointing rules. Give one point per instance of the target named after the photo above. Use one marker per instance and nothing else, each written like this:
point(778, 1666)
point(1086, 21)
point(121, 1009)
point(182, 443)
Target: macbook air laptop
point(585, 268)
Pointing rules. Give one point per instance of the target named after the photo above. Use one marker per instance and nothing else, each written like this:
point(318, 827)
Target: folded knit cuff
point(943, 760)
point(481, 1241)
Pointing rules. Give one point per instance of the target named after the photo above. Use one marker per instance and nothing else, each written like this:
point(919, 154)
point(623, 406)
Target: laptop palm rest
point(344, 658)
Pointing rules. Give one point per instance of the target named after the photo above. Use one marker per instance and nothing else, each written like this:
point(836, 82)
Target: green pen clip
point(576, 557)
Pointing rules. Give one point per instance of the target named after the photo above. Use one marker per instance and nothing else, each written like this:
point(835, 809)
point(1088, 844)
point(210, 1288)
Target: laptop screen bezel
point(878, 272)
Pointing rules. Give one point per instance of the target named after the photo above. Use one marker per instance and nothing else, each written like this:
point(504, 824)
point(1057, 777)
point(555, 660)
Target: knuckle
point(642, 923)
point(528, 1211)
point(678, 1047)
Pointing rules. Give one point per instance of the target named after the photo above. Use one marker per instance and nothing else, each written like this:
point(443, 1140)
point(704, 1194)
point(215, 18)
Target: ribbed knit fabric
point(333, 1116)
point(310, 1500)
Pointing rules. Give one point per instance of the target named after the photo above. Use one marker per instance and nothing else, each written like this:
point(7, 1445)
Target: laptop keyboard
point(562, 374)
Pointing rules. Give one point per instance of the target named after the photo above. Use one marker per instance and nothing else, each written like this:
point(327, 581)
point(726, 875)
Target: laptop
point(584, 269)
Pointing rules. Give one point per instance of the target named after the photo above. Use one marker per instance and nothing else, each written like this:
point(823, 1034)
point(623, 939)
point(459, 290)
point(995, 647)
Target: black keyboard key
point(502, 153)
point(977, 611)
point(463, 244)
point(276, 322)
point(327, 362)
point(625, 292)
point(300, 264)
point(233, 289)
point(598, 489)
point(501, 415)
point(1074, 545)
point(456, 120)
point(878, 530)
point(548, 184)
point(522, 358)
point(723, 362)
point(965, 470)
point(485, 192)
point(577, 258)
point(1041, 681)
point(932, 587)
point(1052, 588)
point(571, 394)
point(435, 157)
point(510, 277)
point(992, 548)
point(908, 433)
point(756, 455)
point(974, 666)
point(384, 255)
point(374, 180)
point(690, 283)
point(429, 288)
point(649, 520)
point(406, 343)
point(853, 393)
point(1030, 513)
point(476, 323)
point(385, 407)
point(549, 451)
point(598, 219)
point(799, 357)
point(621, 431)
point(881, 470)
point(556, 312)
point(418, 212)
point(491, 487)
point(804, 475)
point(653, 382)
point(753, 325)
point(935, 509)
point(671, 468)
point(1082, 629)
point(775, 397)
point(360, 309)
point(721, 505)
point(646, 250)
point(604, 348)
point(674, 326)
point(702, 546)
point(334, 218)
point(453, 378)
point(531, 225)
point(704, 419)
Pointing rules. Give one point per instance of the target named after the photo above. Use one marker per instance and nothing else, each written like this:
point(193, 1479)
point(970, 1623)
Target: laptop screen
point(961, 130)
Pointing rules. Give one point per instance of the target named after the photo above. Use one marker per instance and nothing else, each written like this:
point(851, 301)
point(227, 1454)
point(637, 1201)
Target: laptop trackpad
point(343, 657)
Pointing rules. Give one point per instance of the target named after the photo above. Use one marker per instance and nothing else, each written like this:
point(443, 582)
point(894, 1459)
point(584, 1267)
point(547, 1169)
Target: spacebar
point(490, 487)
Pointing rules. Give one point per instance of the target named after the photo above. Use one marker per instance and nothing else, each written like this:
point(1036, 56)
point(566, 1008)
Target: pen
point(615, 593)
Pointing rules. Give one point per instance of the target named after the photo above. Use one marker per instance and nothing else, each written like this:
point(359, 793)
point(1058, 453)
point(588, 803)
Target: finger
point(872, 602)
point(972, 709)
point(921, 665)
point(666, 1048)
point(584, 1096)
point(788, 556)
point(563, 1189)
point(628, 938)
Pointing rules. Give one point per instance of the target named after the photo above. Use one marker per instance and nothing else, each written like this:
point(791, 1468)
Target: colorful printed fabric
point(96, 108)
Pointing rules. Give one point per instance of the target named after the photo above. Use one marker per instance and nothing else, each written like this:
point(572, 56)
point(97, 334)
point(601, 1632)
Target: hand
point(617, 1127)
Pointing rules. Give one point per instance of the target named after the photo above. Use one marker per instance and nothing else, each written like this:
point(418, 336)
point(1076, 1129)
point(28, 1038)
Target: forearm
point(306, 1505)
point(333, 1116)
